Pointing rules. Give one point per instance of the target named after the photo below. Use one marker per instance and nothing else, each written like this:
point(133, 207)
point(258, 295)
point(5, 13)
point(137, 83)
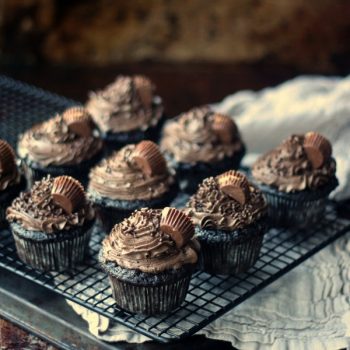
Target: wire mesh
point(209, 296)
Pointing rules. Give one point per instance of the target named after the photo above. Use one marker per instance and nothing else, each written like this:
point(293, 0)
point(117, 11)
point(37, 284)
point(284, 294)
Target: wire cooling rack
point(209, 296)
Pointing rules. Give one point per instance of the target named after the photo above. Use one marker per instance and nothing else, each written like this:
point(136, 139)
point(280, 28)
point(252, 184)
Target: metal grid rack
point(209, 296)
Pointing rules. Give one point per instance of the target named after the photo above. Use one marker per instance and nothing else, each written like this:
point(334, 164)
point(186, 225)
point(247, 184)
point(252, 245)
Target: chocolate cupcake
point(126, 111)
point(200, 144)
point(51, 224)
point(63, 145)
point(296, 178)
point(134, 177)
point(229, 214)
point(149, 259)
point(11, 181)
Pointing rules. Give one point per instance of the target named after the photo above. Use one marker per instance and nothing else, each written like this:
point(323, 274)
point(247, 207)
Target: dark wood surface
point(181, 86)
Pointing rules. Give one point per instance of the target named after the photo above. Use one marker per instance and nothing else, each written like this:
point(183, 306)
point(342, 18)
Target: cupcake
point(296, 178)
point(63, 145)
point(149, 258)
point(134, 177)
point(51, 224)
point(200, 144)
point(11, 181)
point(126, 111)
point(229, 214)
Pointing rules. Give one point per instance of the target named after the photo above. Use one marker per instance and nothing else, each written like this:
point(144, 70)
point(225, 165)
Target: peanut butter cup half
point(177, 225)
point(68, 193)
point(235, 185)
point(317, 148)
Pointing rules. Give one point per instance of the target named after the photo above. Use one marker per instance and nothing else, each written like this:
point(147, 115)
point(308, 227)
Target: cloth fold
point(308, 308)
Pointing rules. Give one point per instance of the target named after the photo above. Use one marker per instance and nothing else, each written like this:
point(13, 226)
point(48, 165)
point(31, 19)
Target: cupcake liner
point(110, 212)
point(149, 300)
point(148, 293)
point(52, 251)
point(190, 175)
point(227, 253)
point(35, 172)
point(299, 209)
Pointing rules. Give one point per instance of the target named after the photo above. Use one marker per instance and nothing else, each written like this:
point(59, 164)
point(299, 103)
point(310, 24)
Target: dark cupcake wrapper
point(149, 300)
point(52, 252)
point(110, 212)
point(35, 172)
point(300, 209)
point(6, 198)
point(146, 293)
point(191, 175)
point(230, 252)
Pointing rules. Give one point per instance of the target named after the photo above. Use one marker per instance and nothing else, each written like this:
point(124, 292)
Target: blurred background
point(196, 51)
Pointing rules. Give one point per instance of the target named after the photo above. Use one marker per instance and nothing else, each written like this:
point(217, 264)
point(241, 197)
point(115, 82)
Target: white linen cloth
point(308, 308)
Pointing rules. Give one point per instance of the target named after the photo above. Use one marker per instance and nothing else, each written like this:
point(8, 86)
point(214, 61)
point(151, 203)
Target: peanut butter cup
point(78, 120)
point(235, 185)
point(68, 193)
point(317, 148)
point(178, 225)
point(149, 158)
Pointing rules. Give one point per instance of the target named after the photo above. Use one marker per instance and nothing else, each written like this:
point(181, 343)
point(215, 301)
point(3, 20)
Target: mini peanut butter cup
point(149, 158)
point(7, 158)
point(235, 185)
point(224, 127)
point(177, 225)
point(144, 89)
point(78, 121)
point(68, 193)
point(317, 148)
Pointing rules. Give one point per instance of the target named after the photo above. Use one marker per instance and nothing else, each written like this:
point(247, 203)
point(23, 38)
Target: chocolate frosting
point(36, 211)
point(52, 143)
point(211, 208)
point(288, 169)
point(189, 138)
point(138, 243)
point(120, 108)
point(120, 177)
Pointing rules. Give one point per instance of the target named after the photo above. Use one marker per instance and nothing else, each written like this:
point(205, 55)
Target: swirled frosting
point(189, 138)
point(119, 108)
point(52, 143)
point(211, 208)
point(288, 169)
point(36, 211)
point(138, 243)
point(120, 177)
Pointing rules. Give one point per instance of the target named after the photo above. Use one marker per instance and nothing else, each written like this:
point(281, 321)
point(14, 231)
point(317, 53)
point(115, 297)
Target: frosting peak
point(201, 135)
point(139, 243)
point(289, 167)
point(122, 176)
point(36, 210)
point(211, 208)
point(127, 104)
point(54, 142)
